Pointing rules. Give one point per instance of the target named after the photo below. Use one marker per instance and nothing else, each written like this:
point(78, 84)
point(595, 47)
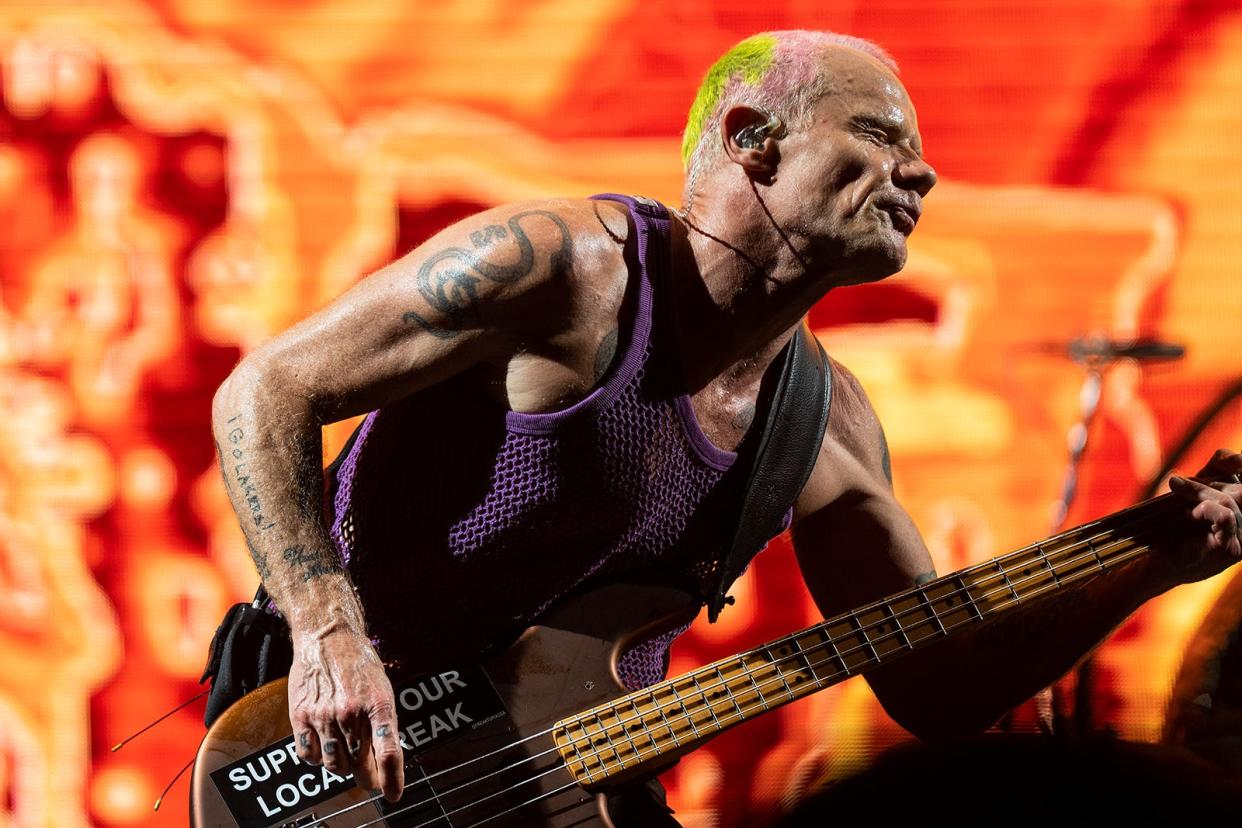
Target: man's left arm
point(856, 544)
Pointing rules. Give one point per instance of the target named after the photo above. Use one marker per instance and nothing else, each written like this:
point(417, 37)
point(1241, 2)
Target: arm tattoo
point(312, 563)
point(605, 353)
point(234, 466)
point(744, 417)
point(925, 577)
point(448, 279)
point(886, 462)
point(260, 560)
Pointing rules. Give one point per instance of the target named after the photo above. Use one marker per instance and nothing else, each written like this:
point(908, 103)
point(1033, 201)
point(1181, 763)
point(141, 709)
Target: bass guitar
point(539, 734)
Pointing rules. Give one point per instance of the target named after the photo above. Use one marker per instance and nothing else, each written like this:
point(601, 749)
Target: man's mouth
point(903, 218)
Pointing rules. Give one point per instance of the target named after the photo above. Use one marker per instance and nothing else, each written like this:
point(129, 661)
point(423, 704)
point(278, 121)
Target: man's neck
point(742, 288)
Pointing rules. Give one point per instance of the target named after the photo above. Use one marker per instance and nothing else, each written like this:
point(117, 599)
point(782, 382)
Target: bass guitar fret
point(1000, 568)
point(580, 759)
point(861, 633)
point(607, 740)
point(724, 684)
point(931, 610)
point(806, 661)
point(758, 691)
point(1052, 570)
point(646, 729)
point(969, 600)
point(895, 619)
point(660, 707)
point(706, 702)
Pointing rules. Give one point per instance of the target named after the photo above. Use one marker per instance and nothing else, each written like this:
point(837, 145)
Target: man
point(549, 412)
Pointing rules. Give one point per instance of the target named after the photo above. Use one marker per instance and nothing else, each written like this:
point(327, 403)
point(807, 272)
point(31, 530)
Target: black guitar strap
point(782, 459)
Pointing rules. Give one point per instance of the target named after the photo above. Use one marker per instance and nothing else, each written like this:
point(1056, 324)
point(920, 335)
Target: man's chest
point(725, 410)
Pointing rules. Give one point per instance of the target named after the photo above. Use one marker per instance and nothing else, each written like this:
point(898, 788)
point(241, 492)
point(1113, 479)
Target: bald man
point(548, 407)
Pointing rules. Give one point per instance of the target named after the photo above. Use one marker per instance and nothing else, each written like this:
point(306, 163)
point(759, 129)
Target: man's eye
point(875, 136)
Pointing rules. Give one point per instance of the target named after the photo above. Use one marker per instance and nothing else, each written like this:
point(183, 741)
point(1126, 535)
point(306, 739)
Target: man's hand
point(342, 711)
point(1216, 493)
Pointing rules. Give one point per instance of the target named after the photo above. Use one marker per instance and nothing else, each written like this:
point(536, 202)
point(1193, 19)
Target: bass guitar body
point(480, 743)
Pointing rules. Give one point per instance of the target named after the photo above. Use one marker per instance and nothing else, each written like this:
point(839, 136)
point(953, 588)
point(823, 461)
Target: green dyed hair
point(748, 61)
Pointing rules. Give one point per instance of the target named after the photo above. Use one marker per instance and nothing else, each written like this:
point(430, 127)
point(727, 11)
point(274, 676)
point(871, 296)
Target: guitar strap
point(782, 458)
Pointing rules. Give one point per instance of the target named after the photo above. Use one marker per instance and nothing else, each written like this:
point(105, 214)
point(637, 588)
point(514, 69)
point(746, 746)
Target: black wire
point(1192, 433)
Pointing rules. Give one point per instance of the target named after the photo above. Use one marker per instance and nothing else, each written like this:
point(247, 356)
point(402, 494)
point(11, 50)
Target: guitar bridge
point(305, 819)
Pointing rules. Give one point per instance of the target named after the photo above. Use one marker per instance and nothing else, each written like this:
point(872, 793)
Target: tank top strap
point(653, 224)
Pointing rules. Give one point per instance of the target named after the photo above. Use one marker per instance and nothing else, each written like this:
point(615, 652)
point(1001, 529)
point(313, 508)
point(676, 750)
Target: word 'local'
point(280, 786)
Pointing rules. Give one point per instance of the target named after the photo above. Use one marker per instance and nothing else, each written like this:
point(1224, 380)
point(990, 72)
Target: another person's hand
point(1216, 494)
point(342, 711)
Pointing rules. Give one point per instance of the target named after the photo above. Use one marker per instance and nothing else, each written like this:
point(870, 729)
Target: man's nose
point(915, 174)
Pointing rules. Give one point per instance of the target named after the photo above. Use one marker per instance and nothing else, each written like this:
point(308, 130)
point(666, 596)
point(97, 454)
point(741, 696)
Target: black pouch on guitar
point(250, 648)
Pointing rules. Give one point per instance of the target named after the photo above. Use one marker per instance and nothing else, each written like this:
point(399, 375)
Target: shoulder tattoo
point(604, 355)
point(886, 461)
point(448, 280)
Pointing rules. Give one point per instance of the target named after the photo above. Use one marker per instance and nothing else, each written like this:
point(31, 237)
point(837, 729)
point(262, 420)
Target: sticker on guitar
point(268, 786)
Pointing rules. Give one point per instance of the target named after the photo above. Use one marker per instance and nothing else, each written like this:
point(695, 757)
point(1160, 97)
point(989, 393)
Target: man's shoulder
point(577, 234)
point(580, 217)
point(853, 425)
point(852, 420)
point(534, 249)
point(853, 455)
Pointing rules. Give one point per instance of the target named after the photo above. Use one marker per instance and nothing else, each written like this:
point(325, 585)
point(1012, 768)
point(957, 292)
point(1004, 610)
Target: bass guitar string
point(483, 821)
point(741, 715)
point(780, 677)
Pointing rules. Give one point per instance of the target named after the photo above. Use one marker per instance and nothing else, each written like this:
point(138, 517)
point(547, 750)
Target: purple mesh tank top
point(460, 522)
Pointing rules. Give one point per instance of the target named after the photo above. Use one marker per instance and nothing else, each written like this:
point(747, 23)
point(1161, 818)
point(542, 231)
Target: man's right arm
point(476, 293)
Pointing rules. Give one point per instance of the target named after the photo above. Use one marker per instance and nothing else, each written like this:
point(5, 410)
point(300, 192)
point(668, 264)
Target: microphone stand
point(1049, 702)
point(1095, 355)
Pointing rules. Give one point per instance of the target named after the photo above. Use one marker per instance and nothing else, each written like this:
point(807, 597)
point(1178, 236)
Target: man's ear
point(750, 140)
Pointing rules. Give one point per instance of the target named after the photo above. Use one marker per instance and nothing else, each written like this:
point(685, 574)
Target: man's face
point(850, 184)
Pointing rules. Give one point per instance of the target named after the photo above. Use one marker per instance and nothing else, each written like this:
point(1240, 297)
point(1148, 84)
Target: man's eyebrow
point(894, 129)
point(884, 123)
